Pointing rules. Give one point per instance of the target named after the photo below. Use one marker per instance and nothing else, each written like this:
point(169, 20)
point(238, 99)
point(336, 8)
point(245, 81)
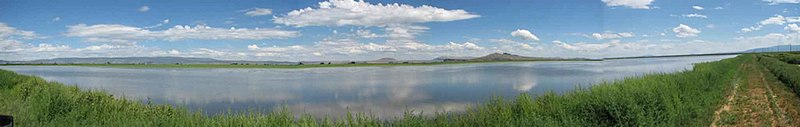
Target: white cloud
point(524, 34)
point(208, 52)
point(750, 29)
point(102, 47)
point(774, 2)
point(144, 8)
point(403, 33)
point(346, 49)
point(397, 21)
point(464, 46)
point(719, 8)
point(698, 7)
point(10, 46)
point(582, 46)
point(55, 19)
point(683, 31)
point(10, 41)
point(366, 34)
point(506, 45)
point(276, 48)
point(792, 27)
point(635, 4)
point(776, 20)
point(173, 52)
point(610, 35)
point(360, 13)
point(695, 15)
point(163, 22)
point(201, 32)
point(11, 33)
point(257, 12)
point(13, 46)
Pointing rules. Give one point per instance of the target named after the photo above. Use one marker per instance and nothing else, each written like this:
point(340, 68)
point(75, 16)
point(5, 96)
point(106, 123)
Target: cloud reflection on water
point(384, 91)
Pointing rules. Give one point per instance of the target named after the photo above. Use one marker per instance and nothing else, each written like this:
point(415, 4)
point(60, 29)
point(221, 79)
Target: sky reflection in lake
point(385, 92)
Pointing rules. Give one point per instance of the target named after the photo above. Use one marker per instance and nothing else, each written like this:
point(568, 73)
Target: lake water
point(385, 92)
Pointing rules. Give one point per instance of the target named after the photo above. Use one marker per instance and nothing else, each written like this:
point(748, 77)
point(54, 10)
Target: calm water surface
point(386, 92)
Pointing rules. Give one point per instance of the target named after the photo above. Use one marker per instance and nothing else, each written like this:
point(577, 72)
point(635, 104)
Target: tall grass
point(787, 73)
point(787, 57)
point(680, 99)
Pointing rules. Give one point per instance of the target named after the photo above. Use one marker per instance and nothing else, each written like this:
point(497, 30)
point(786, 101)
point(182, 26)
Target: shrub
point(787, 73)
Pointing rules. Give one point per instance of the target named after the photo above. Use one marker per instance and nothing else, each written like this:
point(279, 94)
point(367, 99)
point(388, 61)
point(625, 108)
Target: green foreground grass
point(686, 98)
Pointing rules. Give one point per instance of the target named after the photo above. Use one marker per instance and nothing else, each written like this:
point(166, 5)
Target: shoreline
point(275, 66)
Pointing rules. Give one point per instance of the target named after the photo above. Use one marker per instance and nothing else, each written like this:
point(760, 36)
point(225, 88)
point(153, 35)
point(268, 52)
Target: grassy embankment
point(306, 65)
point(761, 98)
point(687, 98)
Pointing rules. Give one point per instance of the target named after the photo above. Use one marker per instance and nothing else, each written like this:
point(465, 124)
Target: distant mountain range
point(454, 57)
point(779, 48)
point(512, 57)
point(140, 60)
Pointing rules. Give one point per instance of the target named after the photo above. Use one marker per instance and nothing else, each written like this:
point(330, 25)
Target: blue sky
point(364, 30)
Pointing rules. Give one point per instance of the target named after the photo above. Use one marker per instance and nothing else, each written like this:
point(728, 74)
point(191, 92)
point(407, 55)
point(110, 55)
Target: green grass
point(787, 73)
point(686, 98)
point(791, 58)
point(306, 65)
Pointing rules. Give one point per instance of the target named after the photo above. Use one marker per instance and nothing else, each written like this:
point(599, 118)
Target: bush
point(788, 74)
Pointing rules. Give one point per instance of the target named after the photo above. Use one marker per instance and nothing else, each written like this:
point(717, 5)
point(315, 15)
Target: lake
point(385, 92)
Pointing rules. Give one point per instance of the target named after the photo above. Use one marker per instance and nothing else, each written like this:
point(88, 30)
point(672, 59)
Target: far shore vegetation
point(287, 66)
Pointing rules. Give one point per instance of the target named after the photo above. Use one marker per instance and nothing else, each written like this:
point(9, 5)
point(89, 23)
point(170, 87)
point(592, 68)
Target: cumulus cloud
point(14, 47)
point(698, 7)
point(774, 2)
point(179, 32)
point(506, 45)
point(750, 29)
point(257, 12)
point(163, 22)
point(27, 51)
point(774, 20)
point(403, 33)
point(366, 34)
point(397, 21)
point(10, 41)
point(610, 35)
point(695, 15)
point(524, 34)
point(683, 31)
point(10, 33)
point(346, 48)
point(792, 27)
point(360, 13)
point(589, 47)
point(144, 8)
point(635, 4)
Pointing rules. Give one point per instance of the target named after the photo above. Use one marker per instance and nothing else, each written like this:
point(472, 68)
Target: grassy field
point(307, 65)
point(688, 98)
